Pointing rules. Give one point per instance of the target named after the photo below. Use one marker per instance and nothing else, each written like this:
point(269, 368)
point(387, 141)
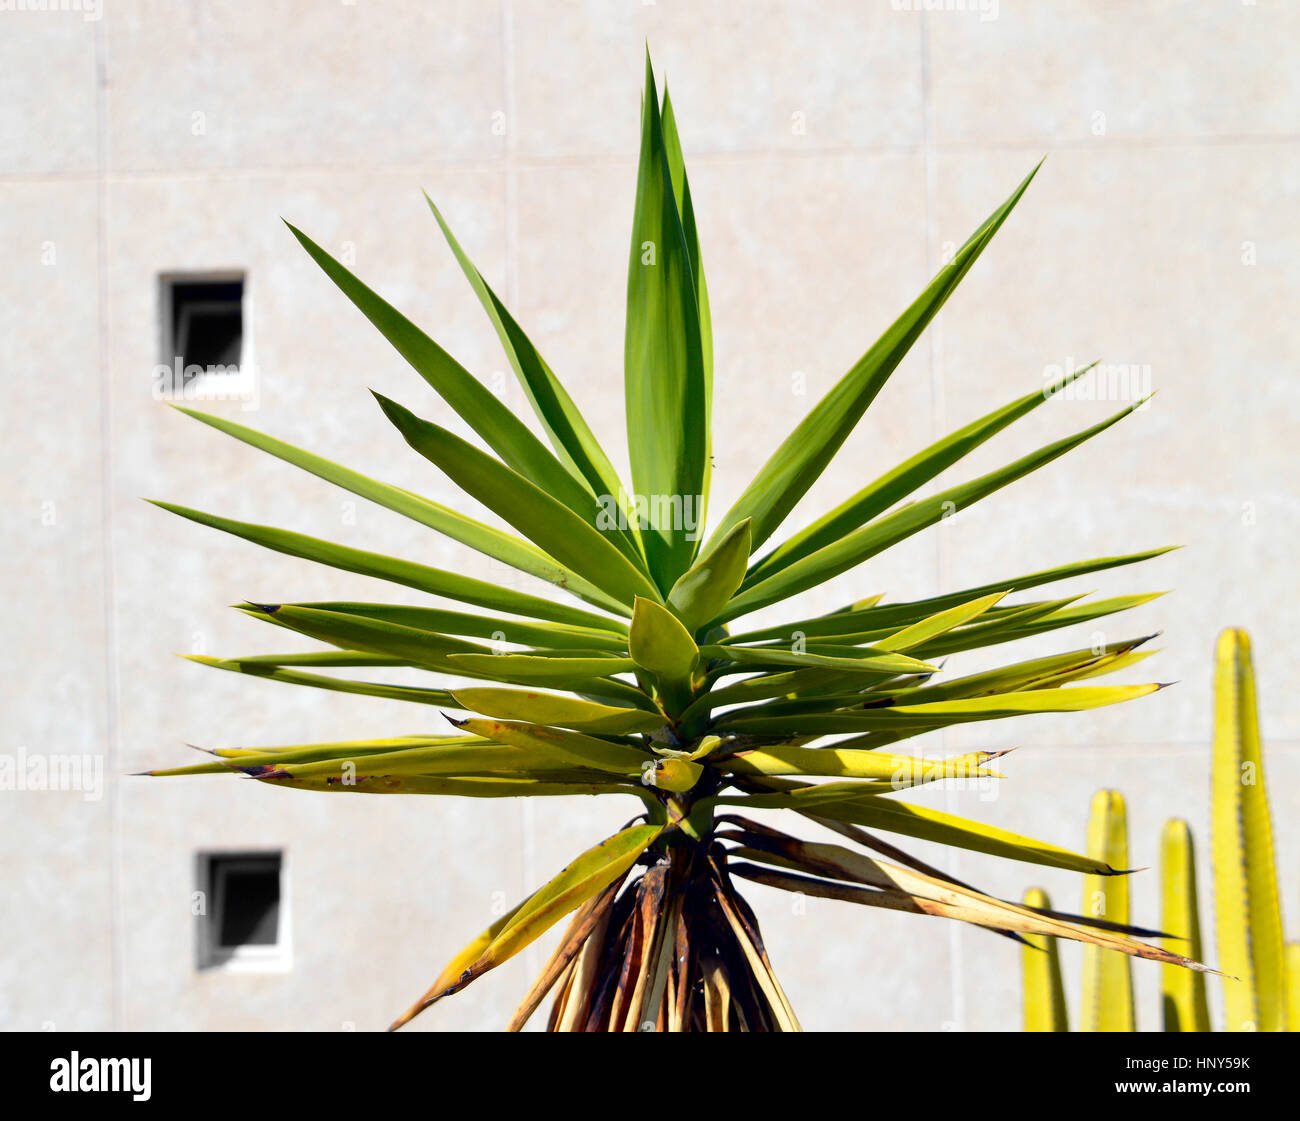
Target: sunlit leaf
point(665, 385)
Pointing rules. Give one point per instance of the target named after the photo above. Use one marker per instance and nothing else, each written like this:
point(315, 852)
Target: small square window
point(203, 322)
point(244, 923)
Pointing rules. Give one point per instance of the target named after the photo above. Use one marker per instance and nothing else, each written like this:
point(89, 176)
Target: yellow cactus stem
point(1247, 911)
point(1182, 991)
point(1044, 992)
point(1107, 979)
point(1293, 985)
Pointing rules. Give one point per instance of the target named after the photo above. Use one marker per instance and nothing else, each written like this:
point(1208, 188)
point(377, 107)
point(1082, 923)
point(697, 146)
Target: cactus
point(1184, 1004)
point(1247, 912)
point(1261, 974)
point(1107, 979)
point(1041, 969)
point(1293, 985)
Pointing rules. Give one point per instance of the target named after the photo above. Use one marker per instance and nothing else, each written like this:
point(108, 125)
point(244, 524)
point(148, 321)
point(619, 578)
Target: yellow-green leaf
point(580, 749)
point(934, 714)
point(702, 592)
point(873, 538)
point(556, 710)
point(902, 888)
point(922, 822)
point(484, 538)
point(900, 771)
point(570, 436)
point(500, 429)
point(673, 774)
point(507, 785)
point(561, 532)
point(664, 380)
point(272, 672)
point(939, 623)
point(659, 643)
point(562, 672)
point(435, 581)
point(901, 481)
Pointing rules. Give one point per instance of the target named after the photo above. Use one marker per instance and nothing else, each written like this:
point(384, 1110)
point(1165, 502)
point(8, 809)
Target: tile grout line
point(579, 160)
point(111, 663)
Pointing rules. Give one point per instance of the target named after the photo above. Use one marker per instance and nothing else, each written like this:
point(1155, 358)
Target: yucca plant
point(650, 691)
point(1261, 985)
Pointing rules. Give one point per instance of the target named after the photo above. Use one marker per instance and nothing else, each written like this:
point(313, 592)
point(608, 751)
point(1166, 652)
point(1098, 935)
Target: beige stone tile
point(1136, 259)
point(57, 856)
point(48, 115)
point(767, 75)
point(327, 85)
point(1077, 72)
point(55, 842)
point(52, 465)
point(380, 895)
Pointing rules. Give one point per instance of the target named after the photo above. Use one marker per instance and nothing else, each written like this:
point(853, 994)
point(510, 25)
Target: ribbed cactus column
point(1107, 981)
point(1041, 972)
point(1182, 990)
point(1247, 912)
point(1293, 986)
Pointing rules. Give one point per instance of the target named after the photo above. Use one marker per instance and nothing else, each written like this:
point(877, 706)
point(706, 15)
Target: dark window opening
point(203, 321)
point(250, 902)
point(243, 920)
